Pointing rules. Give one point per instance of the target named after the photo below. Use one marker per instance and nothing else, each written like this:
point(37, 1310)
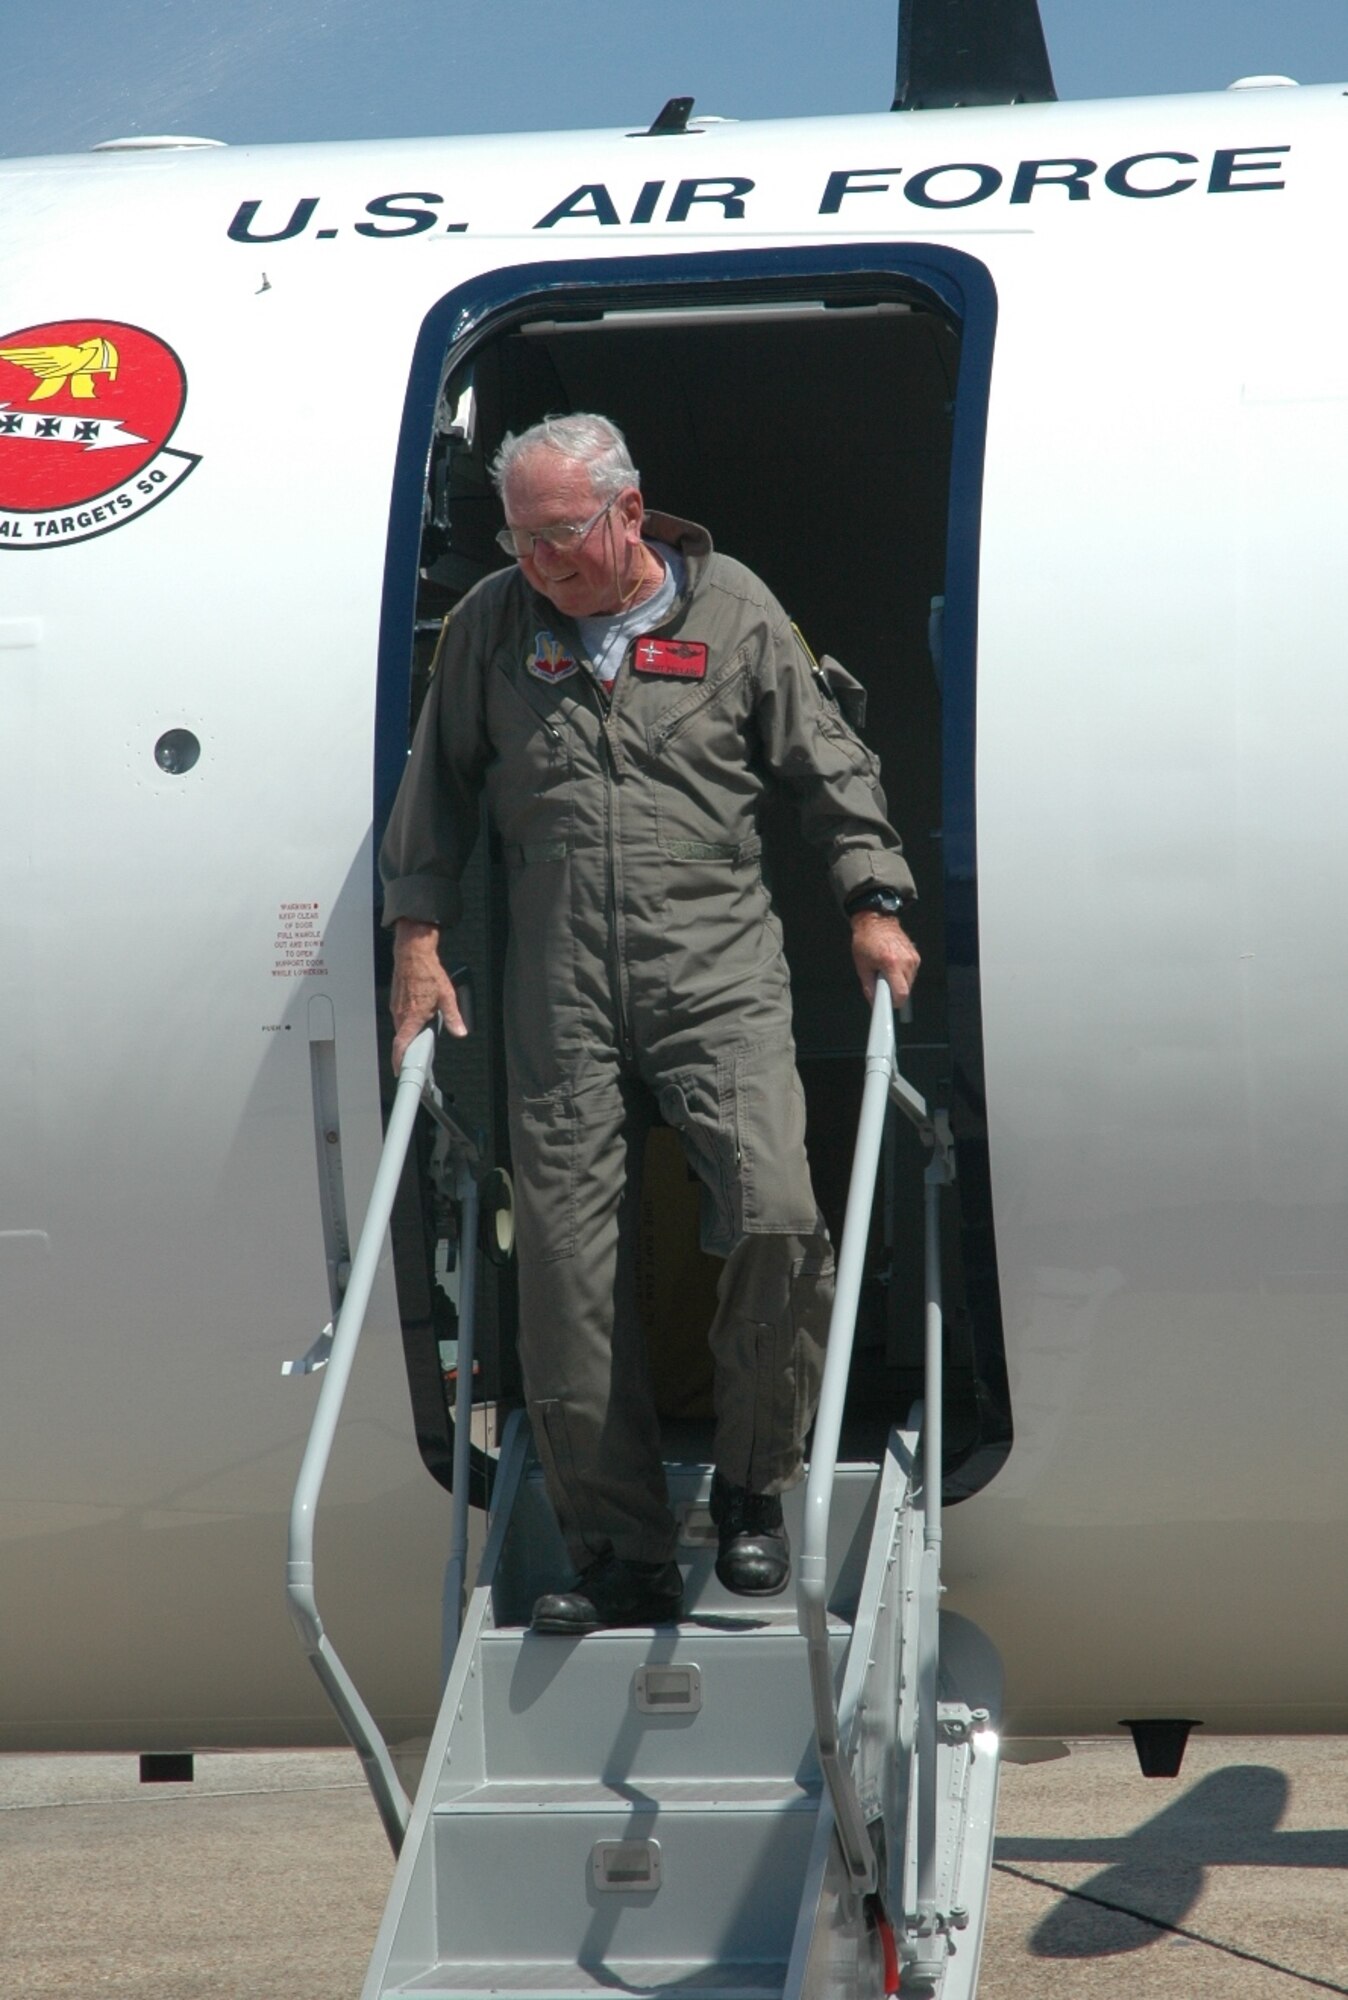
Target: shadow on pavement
point(1154, 1876)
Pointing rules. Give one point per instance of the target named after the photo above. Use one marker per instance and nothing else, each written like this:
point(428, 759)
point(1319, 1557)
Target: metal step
point(657, 1795)
point(626, 1877)
point(534, 1558)
point(541, 1979)
point(635, 1810)
point(715, 1698)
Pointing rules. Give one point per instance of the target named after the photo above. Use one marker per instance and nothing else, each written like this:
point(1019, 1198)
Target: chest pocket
point(726, 693)
point(705, 782)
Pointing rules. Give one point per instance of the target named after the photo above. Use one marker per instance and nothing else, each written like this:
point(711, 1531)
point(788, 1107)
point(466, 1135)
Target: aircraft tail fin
point(957, 52)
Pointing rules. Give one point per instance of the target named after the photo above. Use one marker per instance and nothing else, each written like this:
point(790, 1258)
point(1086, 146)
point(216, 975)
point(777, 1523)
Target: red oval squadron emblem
point(87, 407)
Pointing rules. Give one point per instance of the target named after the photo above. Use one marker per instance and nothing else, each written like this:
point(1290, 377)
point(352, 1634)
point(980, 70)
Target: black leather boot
point(753, 1558)
point(608, 1592)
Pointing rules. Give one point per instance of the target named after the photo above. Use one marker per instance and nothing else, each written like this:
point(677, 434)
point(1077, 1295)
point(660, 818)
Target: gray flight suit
point(645, 964)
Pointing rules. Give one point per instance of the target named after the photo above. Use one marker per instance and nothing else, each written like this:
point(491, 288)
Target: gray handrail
point(882, 1084)
point(812, 1568)
point(360, 1726)
point(935, 1132)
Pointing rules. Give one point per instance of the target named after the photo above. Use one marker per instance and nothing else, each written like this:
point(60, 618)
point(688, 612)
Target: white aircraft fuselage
point(1148, 585)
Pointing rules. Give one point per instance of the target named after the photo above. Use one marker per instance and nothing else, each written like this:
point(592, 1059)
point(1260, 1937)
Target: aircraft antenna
point(672, 117)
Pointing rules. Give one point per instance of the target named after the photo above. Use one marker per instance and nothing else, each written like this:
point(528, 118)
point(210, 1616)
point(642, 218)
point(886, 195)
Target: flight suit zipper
point(606, 700)
point(614, 772)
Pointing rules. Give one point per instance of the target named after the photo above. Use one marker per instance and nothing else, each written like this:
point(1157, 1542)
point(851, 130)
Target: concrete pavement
point(262, 1880)
point(265, 1879)
point(1231, 1880)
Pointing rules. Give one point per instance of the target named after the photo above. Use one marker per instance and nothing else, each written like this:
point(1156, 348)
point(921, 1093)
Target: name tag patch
point(550, 660)
point(684, 658)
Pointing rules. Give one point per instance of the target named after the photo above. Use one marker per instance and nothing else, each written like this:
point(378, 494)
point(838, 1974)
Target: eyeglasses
point(566, 535)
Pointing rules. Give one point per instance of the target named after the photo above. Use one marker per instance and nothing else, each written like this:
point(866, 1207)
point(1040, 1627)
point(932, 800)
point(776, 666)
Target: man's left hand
point(882, 948)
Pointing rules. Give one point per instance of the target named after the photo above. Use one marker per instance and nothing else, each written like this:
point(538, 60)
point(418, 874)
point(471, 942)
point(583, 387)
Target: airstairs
point(776, 1798)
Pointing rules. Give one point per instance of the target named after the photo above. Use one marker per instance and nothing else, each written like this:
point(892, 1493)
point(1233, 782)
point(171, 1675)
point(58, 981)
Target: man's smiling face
point(592, 576)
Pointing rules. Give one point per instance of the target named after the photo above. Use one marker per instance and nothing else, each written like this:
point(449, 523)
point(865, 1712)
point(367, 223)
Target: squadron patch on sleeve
point(686, 659)
point(550, 660)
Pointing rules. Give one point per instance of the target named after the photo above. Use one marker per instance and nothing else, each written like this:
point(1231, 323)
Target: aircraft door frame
point(948, 280)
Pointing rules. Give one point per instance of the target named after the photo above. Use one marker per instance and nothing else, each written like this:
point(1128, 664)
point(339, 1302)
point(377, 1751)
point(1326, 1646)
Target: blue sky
point(264, 70)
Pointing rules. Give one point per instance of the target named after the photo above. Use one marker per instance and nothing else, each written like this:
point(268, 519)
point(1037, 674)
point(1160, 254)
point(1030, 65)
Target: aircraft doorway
point(810, 426)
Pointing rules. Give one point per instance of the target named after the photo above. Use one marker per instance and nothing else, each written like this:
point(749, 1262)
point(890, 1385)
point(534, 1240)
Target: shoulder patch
point(550, 660)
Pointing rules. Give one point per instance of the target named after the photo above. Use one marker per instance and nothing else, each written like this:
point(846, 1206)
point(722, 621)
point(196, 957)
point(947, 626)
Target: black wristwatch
point(886, 902)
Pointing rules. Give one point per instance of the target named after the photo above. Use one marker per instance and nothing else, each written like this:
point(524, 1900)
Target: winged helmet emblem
point(57, 365)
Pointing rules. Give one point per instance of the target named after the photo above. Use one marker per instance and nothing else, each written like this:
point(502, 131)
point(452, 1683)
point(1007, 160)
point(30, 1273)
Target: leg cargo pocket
point(774, 1173)
point(543, 1147)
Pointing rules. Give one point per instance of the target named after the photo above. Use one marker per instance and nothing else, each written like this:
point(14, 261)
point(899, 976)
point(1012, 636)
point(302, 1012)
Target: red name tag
point(682, 657)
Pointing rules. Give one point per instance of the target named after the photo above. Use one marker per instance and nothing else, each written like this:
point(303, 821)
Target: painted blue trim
point(493, 300)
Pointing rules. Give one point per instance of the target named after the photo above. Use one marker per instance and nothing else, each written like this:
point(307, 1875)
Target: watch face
point(886, 902)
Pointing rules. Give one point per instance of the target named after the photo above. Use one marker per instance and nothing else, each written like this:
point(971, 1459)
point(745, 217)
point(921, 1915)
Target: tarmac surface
point(265, 1878)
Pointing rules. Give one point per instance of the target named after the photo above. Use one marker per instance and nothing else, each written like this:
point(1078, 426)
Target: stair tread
point(761, 1621)
point(661, 1794)
point(694, 1979)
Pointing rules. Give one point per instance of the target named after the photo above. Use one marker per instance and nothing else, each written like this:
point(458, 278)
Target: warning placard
point(299, 943)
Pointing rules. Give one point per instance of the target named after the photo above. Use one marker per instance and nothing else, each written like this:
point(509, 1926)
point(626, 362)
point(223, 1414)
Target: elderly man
point(624, 696)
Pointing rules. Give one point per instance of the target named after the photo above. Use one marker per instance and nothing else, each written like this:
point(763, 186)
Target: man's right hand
point(421, 986)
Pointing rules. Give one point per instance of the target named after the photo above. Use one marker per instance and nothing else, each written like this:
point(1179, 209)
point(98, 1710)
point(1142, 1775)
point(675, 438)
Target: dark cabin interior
point(813, 440)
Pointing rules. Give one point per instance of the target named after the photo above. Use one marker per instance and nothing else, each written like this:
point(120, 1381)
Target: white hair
point(587, 439)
